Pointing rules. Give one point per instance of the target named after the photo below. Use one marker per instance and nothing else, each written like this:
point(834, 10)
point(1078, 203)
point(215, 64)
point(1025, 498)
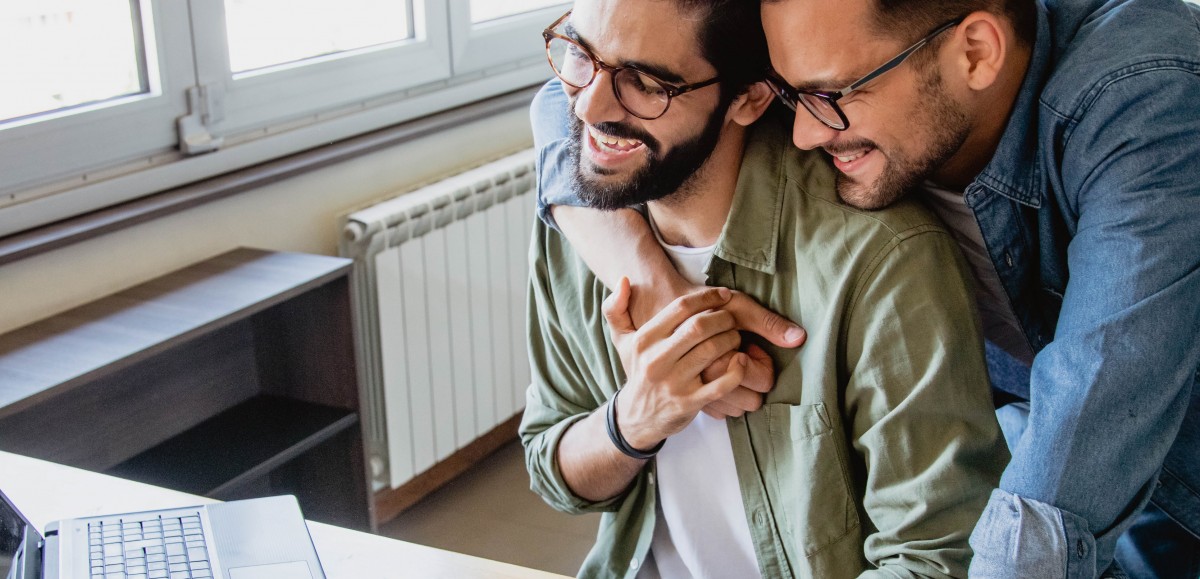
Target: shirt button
point(760, 519)
point(1008, 258)
point(1079, 548)
point(650, 477)
point(633, 563)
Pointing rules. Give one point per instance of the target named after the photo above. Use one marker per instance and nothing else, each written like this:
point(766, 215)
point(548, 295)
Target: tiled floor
point(490, 512)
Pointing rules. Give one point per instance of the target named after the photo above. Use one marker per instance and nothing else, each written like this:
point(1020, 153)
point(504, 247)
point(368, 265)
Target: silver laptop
point(251, 539)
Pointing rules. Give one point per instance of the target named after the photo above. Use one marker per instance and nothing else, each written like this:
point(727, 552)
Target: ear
point(983, 41)
point(750, 105)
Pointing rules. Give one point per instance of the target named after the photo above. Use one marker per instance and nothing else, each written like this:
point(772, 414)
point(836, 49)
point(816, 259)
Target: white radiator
point(440, 303)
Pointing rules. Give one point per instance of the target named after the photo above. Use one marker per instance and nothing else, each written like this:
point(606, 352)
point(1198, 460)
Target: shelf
point(47, 358)
point(237, 446)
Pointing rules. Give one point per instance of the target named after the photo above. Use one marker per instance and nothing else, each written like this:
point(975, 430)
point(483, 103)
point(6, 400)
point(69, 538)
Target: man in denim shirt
point(1062, 143)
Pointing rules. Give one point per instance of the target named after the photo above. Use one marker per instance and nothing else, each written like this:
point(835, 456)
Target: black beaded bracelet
point(619, 441)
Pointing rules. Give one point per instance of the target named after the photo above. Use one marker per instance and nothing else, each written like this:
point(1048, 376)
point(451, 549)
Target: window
point(485, 10)
point(118, 99)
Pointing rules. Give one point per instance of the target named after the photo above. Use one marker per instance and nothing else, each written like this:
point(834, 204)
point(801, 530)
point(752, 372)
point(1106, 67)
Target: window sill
point(88, 226)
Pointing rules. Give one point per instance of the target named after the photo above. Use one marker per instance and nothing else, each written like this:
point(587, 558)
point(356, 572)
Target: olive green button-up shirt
point(876, 451)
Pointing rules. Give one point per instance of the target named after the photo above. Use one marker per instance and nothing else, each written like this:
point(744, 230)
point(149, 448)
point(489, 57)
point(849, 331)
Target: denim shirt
point(1090, 209)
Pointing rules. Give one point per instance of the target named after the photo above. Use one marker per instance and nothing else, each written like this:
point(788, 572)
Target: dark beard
point(663, 175)
point(902, 175)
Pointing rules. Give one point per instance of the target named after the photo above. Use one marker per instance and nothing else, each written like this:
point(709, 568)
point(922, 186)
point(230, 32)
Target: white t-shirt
point(1000, 323)
point(702, 529)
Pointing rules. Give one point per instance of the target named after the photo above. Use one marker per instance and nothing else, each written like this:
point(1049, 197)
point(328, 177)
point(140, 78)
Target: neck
point(989, 126)
point(694, 215)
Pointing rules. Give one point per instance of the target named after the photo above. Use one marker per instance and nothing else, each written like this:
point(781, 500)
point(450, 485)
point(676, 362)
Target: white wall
point(298, 214)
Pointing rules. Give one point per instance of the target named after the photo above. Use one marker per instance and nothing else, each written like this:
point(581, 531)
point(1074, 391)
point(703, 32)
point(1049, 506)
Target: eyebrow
point(660, 72)
point(826, 85)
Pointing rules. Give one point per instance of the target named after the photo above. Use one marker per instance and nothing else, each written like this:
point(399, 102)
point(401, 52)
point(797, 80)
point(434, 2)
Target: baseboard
point(389, 503)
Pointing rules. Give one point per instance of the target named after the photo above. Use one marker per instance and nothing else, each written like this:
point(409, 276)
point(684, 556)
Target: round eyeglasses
point(644, 95)
point(823, 105)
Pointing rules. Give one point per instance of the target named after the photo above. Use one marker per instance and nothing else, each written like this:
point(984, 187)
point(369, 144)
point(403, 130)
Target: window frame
point(69, 163)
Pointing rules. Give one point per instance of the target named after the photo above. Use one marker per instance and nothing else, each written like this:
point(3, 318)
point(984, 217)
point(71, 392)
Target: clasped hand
point(684, 360)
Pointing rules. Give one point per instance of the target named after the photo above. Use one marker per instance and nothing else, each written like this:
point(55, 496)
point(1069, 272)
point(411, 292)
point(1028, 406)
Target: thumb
point(616, 309)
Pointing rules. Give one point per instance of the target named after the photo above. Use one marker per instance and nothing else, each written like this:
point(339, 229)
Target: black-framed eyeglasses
point(823, 105)
point(644, 95)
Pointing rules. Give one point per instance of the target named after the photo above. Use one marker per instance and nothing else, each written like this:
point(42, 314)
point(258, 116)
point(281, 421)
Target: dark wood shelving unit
point(232, 378)
point(237, 446)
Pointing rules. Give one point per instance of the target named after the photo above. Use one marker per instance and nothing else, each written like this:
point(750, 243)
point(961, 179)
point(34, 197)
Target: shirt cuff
point(1018, 537)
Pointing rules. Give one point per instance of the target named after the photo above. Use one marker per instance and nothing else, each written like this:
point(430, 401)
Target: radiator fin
point(440, 299)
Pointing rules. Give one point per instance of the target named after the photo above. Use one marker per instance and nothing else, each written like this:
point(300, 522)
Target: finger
point(693, 332)
point(616, 309)
point(718, 388)
point(752, 317)
point(721, 410)
point(742, 400)
point(760, 373)
point(702, 355)
point(714, 370)
point(679, 311)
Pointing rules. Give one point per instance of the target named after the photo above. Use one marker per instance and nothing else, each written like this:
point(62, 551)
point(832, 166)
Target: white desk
point(46, 492)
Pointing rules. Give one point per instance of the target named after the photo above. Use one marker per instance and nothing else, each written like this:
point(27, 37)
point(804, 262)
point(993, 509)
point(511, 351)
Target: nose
point(597, 102)
point(809, 133)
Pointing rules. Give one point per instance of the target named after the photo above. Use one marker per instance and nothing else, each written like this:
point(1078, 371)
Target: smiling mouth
point(612, 145)
point(850, 158)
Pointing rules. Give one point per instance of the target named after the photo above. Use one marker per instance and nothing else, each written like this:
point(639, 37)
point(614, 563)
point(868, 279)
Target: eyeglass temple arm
point(893, 63)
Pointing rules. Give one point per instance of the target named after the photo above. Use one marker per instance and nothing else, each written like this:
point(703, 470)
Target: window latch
point(205, 109)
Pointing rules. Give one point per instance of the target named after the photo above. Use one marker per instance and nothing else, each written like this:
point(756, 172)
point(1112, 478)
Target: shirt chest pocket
point(810, 473)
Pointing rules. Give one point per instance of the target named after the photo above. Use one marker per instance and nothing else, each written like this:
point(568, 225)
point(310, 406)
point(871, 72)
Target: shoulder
point(549, 114)
point(809, 196)
point(1122, 43)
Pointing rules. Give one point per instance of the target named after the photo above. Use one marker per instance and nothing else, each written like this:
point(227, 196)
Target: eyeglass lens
point(639, 94)
point(820, 107)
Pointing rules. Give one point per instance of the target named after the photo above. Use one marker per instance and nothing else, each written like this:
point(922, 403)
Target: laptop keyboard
point(154, 548)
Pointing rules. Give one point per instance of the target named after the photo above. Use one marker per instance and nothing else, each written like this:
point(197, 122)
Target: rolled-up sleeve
point(559, 395)
point(549, 115)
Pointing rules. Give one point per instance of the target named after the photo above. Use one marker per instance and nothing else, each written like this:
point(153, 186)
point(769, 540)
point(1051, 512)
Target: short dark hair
point(732, 40)
point(911, 19)
point(914, 18)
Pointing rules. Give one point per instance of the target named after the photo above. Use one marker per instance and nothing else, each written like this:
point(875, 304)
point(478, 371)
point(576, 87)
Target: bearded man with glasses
point(873, 451)
point(1060, 143)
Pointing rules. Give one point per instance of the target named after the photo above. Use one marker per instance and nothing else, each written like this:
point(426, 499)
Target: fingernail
point(724, 293)
point(794, 334)
point(743, 359)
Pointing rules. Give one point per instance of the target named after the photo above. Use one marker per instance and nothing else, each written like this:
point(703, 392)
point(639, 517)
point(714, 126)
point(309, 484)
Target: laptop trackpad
point(293, 570)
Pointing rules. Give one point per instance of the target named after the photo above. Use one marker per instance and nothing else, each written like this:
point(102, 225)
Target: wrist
point(628, 440)
point(650, 296)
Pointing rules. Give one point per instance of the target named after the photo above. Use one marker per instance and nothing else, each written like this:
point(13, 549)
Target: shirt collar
point(750, 237)
point(1014, 170)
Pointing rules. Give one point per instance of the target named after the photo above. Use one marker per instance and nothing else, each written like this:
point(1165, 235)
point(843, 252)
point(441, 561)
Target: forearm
point(591, 466)
point(617, 244)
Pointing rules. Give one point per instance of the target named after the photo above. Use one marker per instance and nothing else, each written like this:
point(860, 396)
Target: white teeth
point(612, 142)
point(850, 158)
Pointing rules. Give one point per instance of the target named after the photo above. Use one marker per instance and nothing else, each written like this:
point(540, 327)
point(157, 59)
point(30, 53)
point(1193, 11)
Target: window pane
point(483, 10)
point(265, 33)
point(61, 53)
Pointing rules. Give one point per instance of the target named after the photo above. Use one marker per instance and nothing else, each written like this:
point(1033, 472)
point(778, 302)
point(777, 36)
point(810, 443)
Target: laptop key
point(195, 554)
point(140, 545)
